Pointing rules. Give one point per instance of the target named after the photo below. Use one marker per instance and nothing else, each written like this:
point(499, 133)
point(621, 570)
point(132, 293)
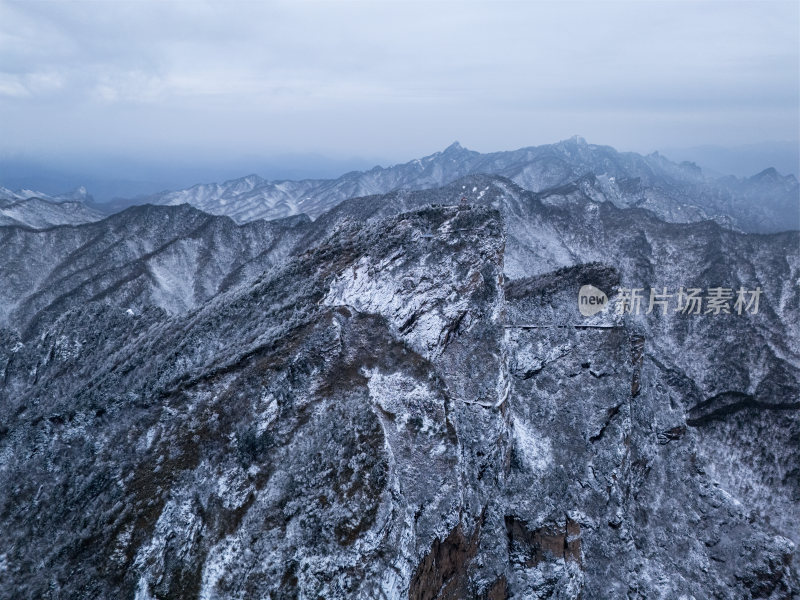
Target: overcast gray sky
point(392, 79)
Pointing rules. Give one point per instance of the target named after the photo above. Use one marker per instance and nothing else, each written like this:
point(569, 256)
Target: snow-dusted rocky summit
point(399, 399)
point(679, 193)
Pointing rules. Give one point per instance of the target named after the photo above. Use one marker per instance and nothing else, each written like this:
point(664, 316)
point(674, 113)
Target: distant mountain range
point(39, 210)
point(678, 193)
point(78, 195)
point(742, 161)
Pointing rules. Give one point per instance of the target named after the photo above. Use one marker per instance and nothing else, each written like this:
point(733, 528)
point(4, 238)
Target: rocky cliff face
point(399, 400)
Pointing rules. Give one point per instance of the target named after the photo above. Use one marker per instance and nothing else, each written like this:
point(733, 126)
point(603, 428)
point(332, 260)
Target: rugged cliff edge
point(405, 403)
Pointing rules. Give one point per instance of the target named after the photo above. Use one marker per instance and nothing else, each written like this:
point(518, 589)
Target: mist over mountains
point(381, 386)
point(115, 178)
point(764, 202)
point(741, 161)
point(677, 192)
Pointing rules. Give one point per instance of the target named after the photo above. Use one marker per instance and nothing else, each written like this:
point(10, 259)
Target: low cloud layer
point(392, 79)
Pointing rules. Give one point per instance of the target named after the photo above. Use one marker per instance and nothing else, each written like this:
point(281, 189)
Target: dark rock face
point(443, 572)
point(397, 400)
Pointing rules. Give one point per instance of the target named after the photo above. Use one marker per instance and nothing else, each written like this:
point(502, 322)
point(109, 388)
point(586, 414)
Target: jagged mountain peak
point(576, 140)
point(79, 193)
point(453, 151)
point(251, 179)
point(768, 174)
point(453, 148)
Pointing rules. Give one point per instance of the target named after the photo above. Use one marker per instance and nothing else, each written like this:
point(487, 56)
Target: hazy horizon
point(212, 80)
point(174, 93)
point(119, 177)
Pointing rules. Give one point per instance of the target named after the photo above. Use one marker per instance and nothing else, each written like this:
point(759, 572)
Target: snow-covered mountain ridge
point(678, 193)
point(38, 210)
point(399, 399)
